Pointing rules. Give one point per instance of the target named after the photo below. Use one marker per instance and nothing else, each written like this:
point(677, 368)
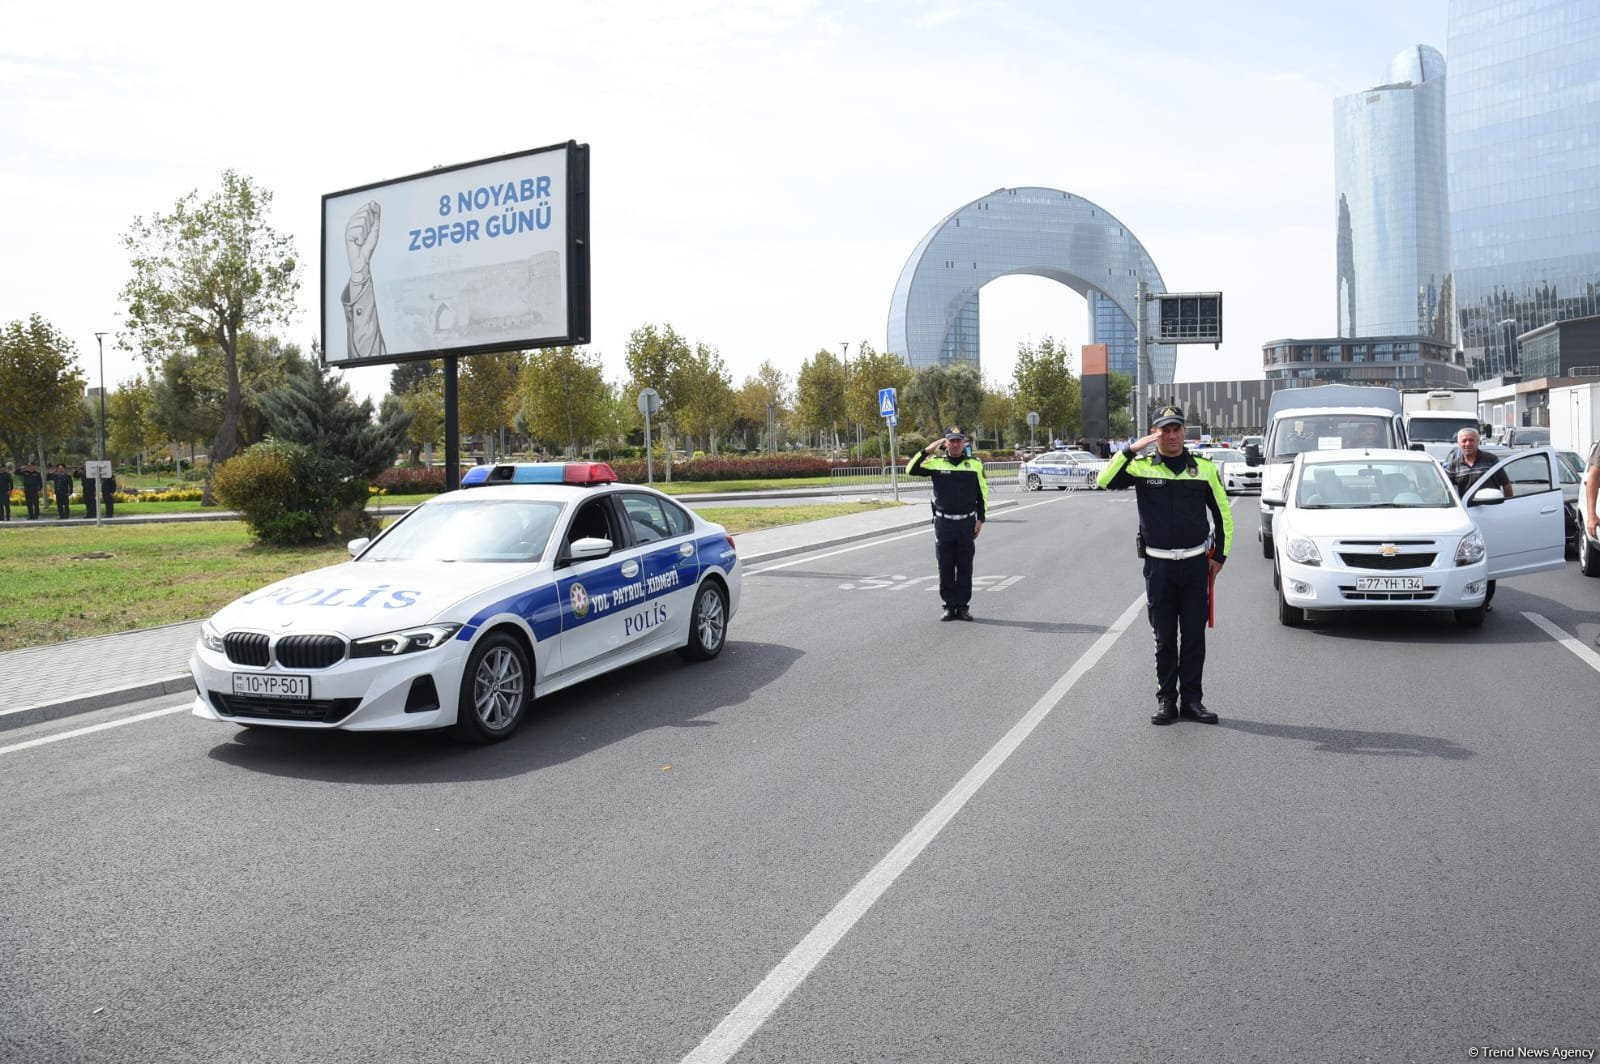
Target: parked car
point(1238, 476)
point(1384, 529)
point(1527, 436)
point(1061, 470)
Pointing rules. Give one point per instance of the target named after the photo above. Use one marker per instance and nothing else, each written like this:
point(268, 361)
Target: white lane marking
point(807, 558)
point(93, 728)
point(1571, 642)
point(748, 1016)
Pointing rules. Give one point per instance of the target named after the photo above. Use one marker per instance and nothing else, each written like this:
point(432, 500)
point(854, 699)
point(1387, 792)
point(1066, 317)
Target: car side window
point(1528, 475)
point(648, 519)
point(679, 523)
point(593, 521)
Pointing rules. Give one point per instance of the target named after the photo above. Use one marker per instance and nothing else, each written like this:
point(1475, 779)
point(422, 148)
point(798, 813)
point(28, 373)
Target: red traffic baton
point(1211, 597)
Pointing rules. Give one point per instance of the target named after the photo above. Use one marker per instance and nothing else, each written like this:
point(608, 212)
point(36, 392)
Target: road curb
point(184, 683)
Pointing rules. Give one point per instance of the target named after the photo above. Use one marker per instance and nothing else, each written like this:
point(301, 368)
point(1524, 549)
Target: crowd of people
point(53, 484)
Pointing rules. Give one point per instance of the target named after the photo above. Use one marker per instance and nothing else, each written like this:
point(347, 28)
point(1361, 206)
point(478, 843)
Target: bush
point(289, 495)
point(410, 480)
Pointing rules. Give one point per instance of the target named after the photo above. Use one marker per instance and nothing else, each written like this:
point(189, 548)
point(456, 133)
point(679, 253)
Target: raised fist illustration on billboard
point(360, 305)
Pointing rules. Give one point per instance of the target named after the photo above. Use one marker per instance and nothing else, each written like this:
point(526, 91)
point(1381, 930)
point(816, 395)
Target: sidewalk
point(151, 662)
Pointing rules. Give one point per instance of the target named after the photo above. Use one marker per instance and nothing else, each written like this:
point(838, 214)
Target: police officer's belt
point(1178, 555)
point(954, 517)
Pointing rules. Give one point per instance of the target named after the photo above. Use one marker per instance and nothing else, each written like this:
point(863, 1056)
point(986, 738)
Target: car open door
point(1525, 533)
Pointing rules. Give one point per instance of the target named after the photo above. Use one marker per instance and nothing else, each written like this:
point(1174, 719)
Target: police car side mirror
point(589, 547)
point(1252, 454)
point(356, 546)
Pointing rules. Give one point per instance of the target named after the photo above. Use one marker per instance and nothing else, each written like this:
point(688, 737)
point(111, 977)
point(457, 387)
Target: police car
point(539, 576)
point(1062, 470)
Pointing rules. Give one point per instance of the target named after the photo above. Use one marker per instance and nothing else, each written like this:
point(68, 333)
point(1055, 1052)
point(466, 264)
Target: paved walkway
point(151, 662)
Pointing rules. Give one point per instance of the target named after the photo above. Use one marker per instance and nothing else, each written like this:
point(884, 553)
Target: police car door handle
point(630, 568)
point(685, 549)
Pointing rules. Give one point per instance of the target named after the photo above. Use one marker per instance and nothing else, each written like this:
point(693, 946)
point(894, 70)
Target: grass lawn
point(65, 583)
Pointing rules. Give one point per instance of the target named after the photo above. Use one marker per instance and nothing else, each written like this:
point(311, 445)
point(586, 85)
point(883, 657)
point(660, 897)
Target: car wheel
point(708, 623)
point(1588, 554)
point(494, 690)
point(1277, 574)
point(1033, 482)
point(1266, 545)
point(1289, 616)
point(1470, 618)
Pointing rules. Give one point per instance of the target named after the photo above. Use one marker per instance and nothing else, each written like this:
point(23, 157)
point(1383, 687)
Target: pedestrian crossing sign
point(886, 406)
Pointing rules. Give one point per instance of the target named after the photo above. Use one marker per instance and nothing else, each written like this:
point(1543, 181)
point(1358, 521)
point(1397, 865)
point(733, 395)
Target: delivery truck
point(1434, 416)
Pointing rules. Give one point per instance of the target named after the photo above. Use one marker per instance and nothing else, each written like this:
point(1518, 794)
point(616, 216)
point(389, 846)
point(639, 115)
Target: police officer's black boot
point(1198, 711)
point(951, 613)
point(1167, 713)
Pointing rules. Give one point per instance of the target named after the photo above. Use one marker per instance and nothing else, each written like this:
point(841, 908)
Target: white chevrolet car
point(531, 578)
point(1237, 475)
point(1383, 529)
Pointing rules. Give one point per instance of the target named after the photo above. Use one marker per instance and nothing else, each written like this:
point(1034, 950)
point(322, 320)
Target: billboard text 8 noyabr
point(486, 256)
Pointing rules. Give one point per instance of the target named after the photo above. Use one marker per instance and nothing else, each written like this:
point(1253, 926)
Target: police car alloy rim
point(711, 621)
point(498, 688)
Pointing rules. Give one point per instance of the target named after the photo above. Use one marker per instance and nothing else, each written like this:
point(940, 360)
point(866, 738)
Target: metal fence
point(871, 478)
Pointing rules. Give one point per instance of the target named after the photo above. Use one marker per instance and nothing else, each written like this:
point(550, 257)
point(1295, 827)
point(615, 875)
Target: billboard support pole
point(452, 428)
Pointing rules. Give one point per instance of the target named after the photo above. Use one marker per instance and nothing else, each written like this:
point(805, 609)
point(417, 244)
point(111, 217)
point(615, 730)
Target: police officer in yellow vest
point(960, 504)
point(1185, 533)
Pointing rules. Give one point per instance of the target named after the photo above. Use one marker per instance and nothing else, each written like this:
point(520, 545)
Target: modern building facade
point(1396, 361)
point(1043, 232)
point(1524, 170)
point(1393, 205)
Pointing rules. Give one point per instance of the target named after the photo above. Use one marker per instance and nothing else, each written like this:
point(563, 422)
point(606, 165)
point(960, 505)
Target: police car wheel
point(1034, 483)
point(494, 690)
point(708, 623)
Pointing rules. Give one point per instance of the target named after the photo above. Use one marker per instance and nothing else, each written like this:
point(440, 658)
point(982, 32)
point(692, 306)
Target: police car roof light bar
point(579, 473)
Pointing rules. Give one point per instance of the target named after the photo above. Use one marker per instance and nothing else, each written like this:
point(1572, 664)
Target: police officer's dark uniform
point(108, 487)
point(6, 486)
point(32, 485)
point(960, 504)
point(1184, 525)
point(61, 487)
point(90, 507)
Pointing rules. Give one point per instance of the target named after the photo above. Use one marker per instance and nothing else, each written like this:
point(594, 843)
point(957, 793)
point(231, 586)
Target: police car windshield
point(470, 530)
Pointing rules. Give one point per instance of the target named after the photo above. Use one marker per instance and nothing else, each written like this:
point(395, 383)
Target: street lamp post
point(99, 339)
point(845, 349)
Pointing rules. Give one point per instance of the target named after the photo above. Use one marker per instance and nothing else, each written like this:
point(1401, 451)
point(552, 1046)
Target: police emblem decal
point(580, 600)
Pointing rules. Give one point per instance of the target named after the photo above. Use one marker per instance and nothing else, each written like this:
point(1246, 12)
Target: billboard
point(484, 256)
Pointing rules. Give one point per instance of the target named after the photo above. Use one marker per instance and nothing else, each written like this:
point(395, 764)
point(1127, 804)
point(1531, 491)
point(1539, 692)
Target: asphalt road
point(859, 835)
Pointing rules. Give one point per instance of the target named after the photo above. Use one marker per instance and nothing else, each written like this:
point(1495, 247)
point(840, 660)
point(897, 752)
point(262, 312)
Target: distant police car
point(1062, 470)
point(540, 576)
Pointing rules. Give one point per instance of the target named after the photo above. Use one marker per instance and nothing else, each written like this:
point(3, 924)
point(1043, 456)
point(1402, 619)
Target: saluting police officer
point(6, 486)
point(1185, 532)
point(960, 504)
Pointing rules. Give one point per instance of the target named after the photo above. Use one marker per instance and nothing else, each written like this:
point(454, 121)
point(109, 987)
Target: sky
point(761, 170)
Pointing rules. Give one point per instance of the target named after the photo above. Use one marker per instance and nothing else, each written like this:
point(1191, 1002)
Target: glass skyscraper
point(1393, 210)
point(1523, 129)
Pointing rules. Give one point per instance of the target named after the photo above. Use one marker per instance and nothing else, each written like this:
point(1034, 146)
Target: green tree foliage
point(938, 397)
point(705, 396)
point(564, 396)
point(486, 395)
point(130, 414)
point(204, 275)
point(1043, 381)
point(407, 375)
point(288, 494)
point(768, 389)
point(869, 372)
point(819, 392)
point(1119, 400)
point(424, 408)
point(313, 407)
point(996, 414)
point(40, 388)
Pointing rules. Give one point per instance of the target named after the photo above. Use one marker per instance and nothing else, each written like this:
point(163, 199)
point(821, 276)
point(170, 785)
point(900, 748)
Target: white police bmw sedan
point(534, 577)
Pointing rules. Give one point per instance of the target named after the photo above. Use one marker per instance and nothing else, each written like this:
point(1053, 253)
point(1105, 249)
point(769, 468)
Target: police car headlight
point(1302, 550)
point(408, 641)
point(211, 639)
point(1470, 550)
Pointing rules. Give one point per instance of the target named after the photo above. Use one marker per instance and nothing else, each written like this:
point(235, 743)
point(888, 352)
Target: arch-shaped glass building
point(1043, 232)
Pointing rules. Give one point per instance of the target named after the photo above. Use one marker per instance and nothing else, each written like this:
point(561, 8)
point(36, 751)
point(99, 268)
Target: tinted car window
point(646, 517)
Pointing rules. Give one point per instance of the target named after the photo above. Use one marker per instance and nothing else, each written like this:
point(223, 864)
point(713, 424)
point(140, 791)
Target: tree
point(819, 393)
point(205, 274)
point(766, 392)
point(564, 396)
point(313, 407)
point(1043, 381)
point(997, 413)
point(487, 395)
point(1119, 397)
point(130, 414)
point(424, 407)
point(871, 372)
point(39, 387)
point(938, 397)
point(705, 396)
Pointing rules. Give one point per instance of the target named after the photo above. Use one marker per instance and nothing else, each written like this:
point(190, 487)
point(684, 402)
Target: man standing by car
point(1466, 465)
point(1185, 532)
point(960, 503)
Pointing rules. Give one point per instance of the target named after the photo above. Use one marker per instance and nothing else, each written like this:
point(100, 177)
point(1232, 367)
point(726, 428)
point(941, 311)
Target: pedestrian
point(108, 488)
point(1185, 533)
point(32, 485)
point(90, 507)
point(61, 488)
point(1465, 467)
point(960, 505)
point(6, 487)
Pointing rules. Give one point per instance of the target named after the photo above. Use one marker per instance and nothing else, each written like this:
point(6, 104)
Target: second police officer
point(960, 504)
point(1185, 532)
